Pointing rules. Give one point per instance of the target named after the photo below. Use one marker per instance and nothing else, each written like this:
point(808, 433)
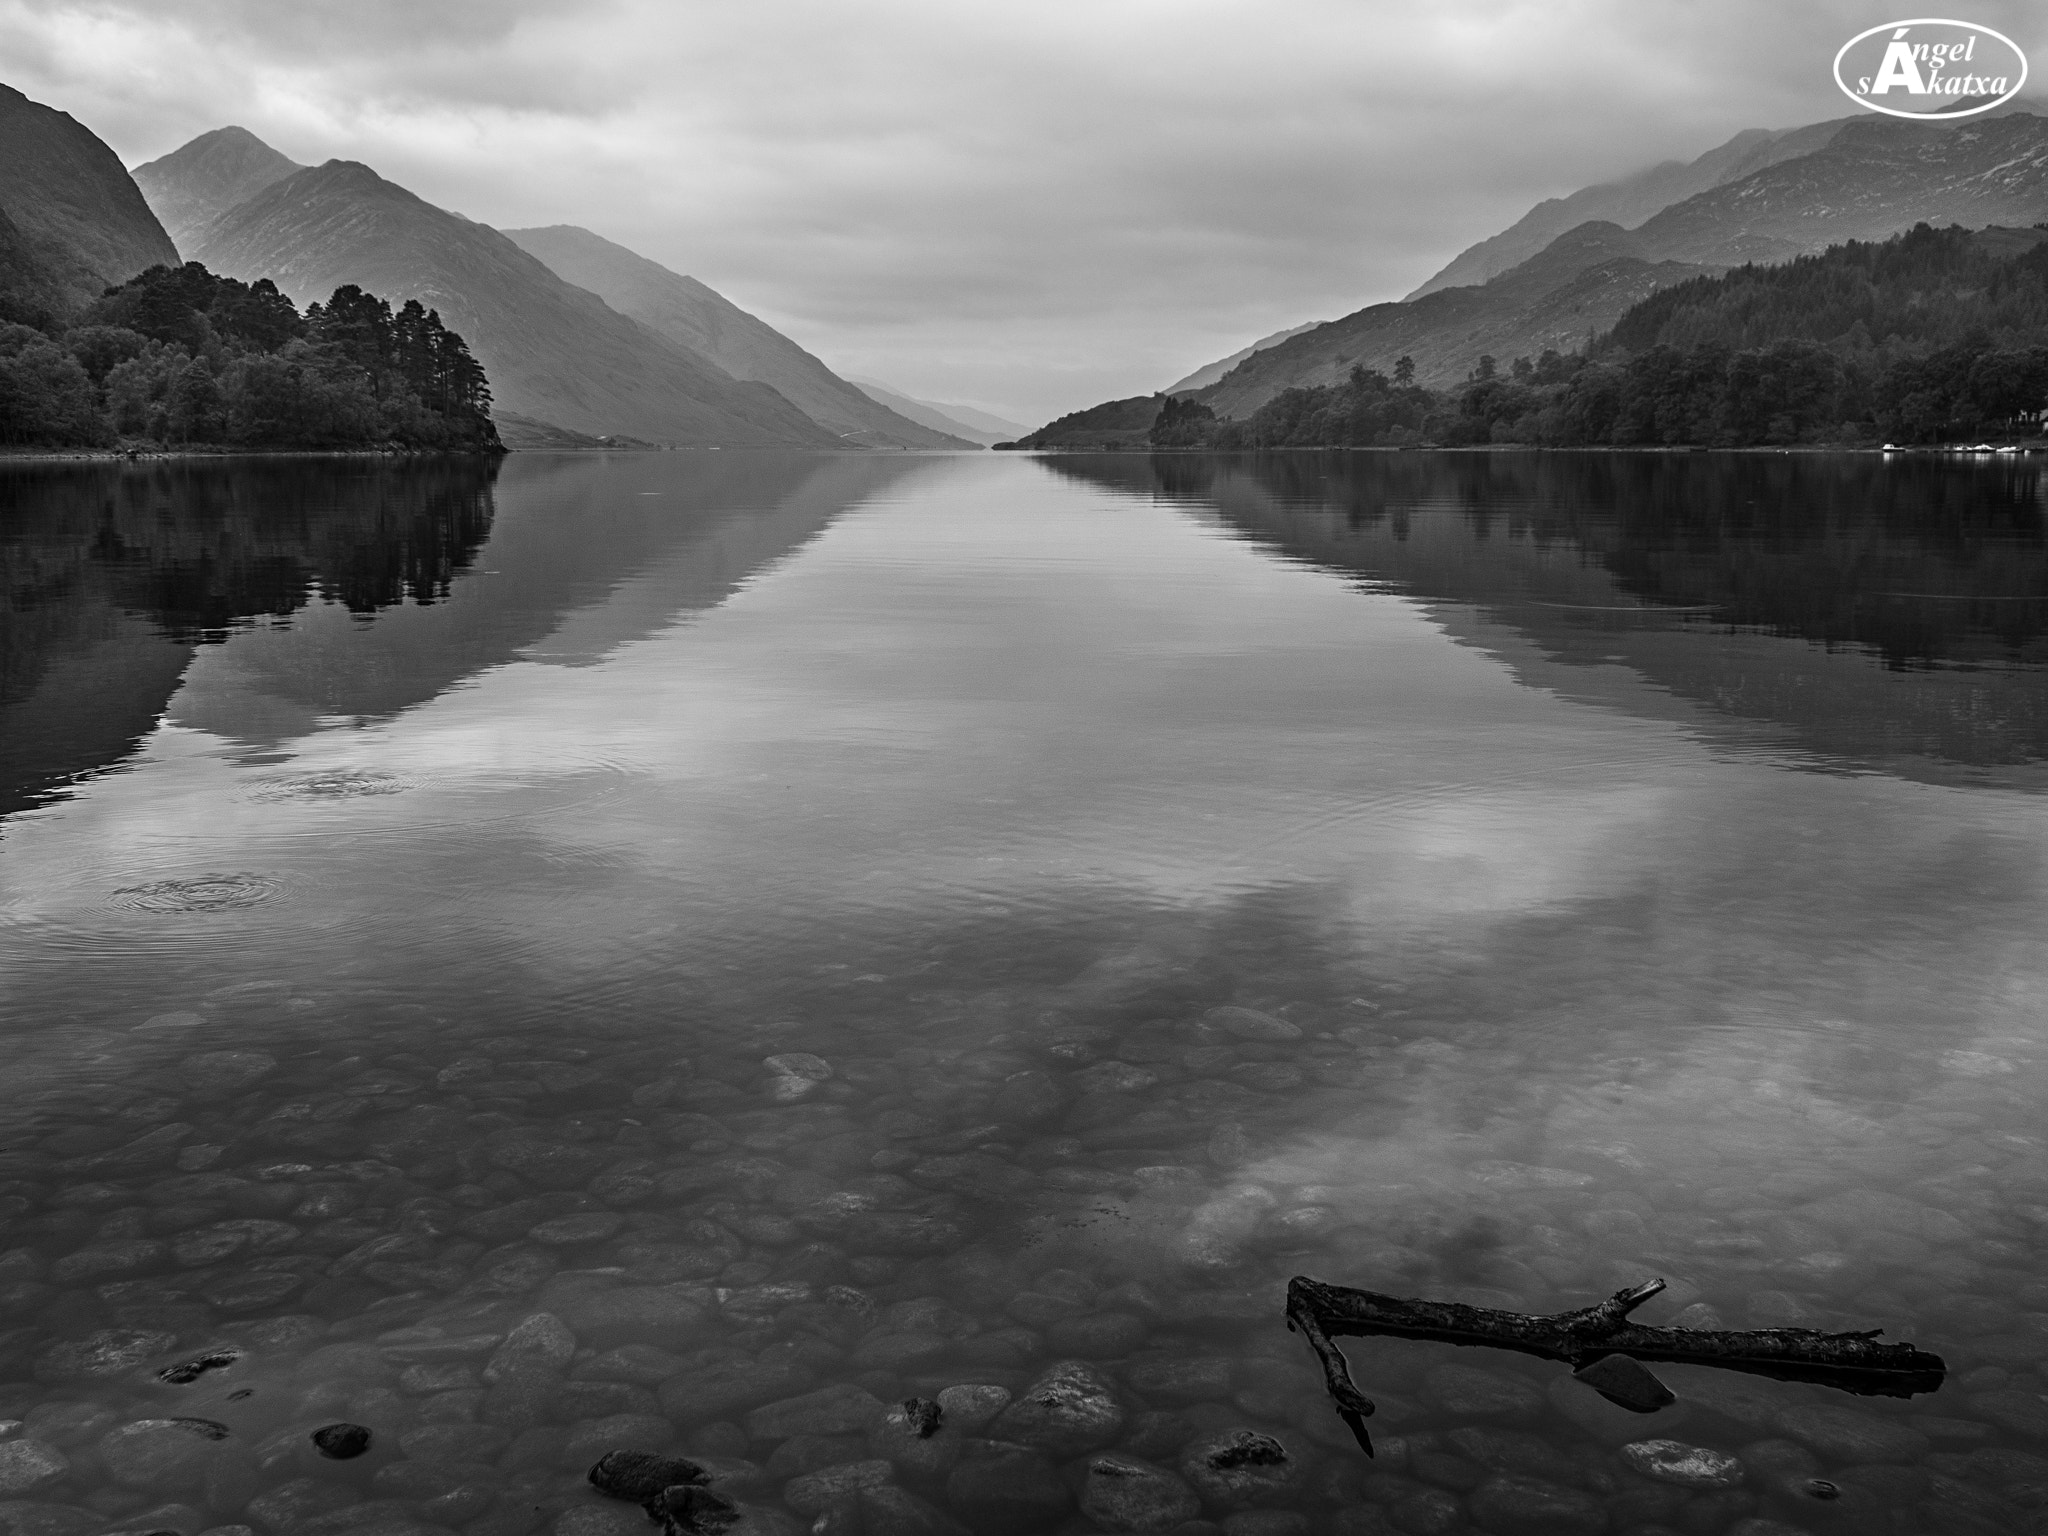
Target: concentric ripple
point(199, 893)
point(330, 784)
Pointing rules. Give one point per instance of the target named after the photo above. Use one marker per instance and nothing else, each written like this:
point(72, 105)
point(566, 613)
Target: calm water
point(683, 952)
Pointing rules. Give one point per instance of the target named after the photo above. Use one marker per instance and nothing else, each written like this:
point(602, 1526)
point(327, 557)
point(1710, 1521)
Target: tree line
point(1934, 336)
point(182, 357)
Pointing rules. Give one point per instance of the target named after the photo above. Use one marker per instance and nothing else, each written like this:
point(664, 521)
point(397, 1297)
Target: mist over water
point(686, 951)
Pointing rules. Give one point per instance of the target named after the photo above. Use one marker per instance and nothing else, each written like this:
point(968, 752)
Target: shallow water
point(655, 952)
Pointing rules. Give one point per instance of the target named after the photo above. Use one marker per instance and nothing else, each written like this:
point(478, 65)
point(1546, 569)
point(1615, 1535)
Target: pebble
point(836, 1410)
point(815, 1492)
point(968, 1407)
point(1072, 1407)
point(893, 1511)
point(1007, 1488)
point(341, 1442)
point(1842, 1435)
point(898, 1437)
point(1470, 1392)
point(1239, 1466)
point(540, 1345)
point(26, 1465)
point(1122, 1493)
point(602, 1520)
point(166, 1454)
point(1690, 1466)
point(719, 1391)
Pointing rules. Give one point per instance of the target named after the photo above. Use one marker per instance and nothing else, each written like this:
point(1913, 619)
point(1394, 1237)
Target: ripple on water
point(330, 784)
point(213, 892)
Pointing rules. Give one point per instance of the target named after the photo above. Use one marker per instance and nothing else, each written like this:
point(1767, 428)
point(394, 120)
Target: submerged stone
point(969, 1407)
point(1007, 1488)
point(1122, 1493)
point(815, 1492)
point(640, 1475)
point(1625, 1382)
point(26, 1465)
point(1690, 1466)
point(1072, 1407)
point(1848, 1435)
point(185, 1372)
point(1468, 1391)
point(836, 1410)
point(1239, 1466)
point(341, 1442)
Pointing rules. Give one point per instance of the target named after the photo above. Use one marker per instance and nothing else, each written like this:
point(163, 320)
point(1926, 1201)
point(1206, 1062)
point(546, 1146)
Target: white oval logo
point(1930, 67)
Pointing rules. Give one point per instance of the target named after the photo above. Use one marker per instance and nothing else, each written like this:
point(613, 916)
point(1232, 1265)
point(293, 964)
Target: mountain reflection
point(260, 601)
point(1887, 614)
point(114, 575)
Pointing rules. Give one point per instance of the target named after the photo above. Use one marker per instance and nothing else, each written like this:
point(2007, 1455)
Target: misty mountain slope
point(954, 420)
point(1210, 373)
point(1875, 178)
point(78, 217)
point(201, 180)
point(701, 318)
point(1577, 286)
point(1630, 201)
point(553, 351)
point(1869, 179)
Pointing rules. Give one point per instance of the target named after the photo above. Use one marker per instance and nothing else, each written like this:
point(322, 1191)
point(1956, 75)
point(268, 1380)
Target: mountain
point(553, 351)
point(1875, 178)
point(1630, 201)
point(1866, 180)
point(1210, 373)
point(78, 222)
point(207, 177)
point(955, 420)
point(705, 321)
point(1579, 285)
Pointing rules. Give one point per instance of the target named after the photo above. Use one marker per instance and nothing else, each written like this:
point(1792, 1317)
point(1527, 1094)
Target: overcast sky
point(1031, 207)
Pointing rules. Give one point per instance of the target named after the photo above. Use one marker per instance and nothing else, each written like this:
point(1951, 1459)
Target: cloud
point(1036, 207)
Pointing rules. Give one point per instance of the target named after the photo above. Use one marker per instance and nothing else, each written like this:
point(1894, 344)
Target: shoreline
point(158, 455)
point(2031, 447)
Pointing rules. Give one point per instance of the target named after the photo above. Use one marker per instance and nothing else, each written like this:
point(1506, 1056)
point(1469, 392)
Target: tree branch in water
point(1851, 1362)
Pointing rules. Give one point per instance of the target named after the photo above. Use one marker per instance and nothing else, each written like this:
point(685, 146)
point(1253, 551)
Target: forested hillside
point(181, 357)
point(1936, 335)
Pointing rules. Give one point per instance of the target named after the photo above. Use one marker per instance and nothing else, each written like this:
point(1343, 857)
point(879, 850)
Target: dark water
point(684, 952)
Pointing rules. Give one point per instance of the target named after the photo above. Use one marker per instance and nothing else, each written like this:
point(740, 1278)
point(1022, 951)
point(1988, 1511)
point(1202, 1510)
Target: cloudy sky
point(1028, 207)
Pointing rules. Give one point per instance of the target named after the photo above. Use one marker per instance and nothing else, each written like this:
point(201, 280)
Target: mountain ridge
point(553, 351)
point(1869, 178)
point(79, 222)
point(697, 316)
point(205, 177)
point(956, 420)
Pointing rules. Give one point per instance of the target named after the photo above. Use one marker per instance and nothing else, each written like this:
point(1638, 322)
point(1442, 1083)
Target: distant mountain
point(78, 221)
point(1630, 201)
point(704, 320)
point(1867, 180)
point(1875, 178)
point(956, 420)
point(1210, 373)
point(1579, 285)
point(553, 351)
point(205, 178)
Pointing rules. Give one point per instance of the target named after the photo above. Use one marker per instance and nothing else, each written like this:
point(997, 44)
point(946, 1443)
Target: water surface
point(602, 952)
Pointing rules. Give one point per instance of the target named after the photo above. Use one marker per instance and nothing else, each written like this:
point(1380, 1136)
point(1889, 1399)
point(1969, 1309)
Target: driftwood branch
point(1852, 1362)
